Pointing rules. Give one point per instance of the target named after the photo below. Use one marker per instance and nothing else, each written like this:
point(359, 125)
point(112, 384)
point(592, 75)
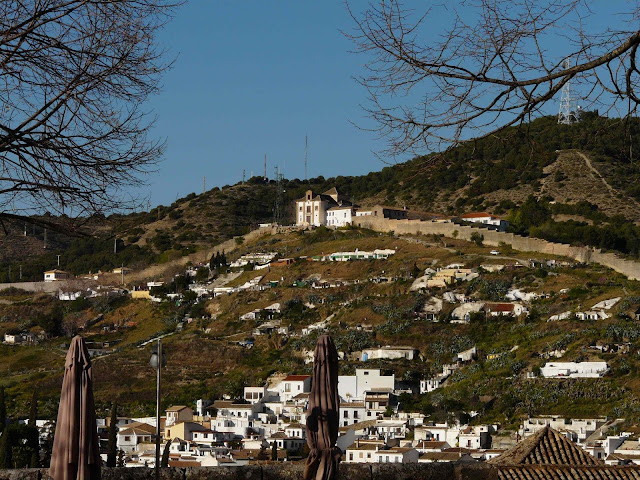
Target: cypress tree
point(112, 448)
point(165, 455)
point(274, 451)
point(33, 413)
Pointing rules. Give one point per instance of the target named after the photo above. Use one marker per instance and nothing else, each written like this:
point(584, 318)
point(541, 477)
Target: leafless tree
point(74, 78)
point(472, 68)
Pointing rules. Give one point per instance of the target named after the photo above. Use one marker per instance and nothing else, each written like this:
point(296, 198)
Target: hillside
point(206, 357)
point(583, 173)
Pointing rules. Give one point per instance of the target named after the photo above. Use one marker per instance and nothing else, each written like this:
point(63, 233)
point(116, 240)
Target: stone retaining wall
point(287, 471)
point(629, 268)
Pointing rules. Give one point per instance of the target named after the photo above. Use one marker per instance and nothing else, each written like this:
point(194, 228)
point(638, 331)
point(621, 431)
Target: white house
point(500, 309)
point(178, 413)
point(340, 215)
point(254, 394)
point(352, 413)
point(14, 339)
point(485, 218)
point(292, 386)
point(396, 455)
point(475, 437)
point(55, 274)
point(462, 313)
point(361, 452)
point(353, 387)
point(431, 384)
point(574, 369)
point(134, 434)
point(390, 353)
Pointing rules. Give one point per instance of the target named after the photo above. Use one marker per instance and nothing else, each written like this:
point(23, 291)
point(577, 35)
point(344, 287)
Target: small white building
point(396, 455)
point(292, 386)
point(14, 338)
point(352, 413)
point(55, 274)
point(485, 218)
point(574, 369)
point(390, 353)
point(254, 394)
point(340, 216)
point(130, 437)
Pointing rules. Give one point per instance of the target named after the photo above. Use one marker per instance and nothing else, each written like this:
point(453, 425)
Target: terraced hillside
point(364, 304)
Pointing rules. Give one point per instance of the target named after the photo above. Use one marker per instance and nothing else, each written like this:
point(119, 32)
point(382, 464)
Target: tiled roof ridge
point(546, 447)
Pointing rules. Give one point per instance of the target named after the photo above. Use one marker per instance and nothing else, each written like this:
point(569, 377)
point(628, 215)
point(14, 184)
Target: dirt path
point(595, 173)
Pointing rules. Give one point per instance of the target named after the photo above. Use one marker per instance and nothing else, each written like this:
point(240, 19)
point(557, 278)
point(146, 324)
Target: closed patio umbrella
point(76, 454)
point(322, 414)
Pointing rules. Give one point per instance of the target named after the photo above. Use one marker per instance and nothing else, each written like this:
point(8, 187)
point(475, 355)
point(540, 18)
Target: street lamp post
point(157, 361)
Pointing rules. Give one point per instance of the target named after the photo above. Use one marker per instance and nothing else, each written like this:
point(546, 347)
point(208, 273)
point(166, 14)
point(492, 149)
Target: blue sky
point(255, 77)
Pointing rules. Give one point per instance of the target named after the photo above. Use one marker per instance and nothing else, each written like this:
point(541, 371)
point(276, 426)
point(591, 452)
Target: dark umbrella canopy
point(76, 454)
point(322, 414)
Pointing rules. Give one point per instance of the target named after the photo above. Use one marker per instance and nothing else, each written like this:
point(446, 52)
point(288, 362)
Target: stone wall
point(287, 471)
point(629, 268)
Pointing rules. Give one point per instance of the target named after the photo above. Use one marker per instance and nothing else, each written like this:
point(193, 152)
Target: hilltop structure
point(333, 209)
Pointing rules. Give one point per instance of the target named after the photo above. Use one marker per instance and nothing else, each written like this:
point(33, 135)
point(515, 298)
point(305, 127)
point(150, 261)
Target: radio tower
point(306, 148)
point(569, 111)
point(279, 203)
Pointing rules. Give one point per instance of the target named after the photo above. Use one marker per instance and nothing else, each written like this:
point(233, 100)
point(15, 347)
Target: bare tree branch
point(74, 76)
point(488, 68)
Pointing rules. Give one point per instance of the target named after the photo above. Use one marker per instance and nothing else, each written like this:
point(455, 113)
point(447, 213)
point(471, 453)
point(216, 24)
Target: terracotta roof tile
point(546, 447)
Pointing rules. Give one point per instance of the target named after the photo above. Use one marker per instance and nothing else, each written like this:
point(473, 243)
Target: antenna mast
point(279, 204)
point(569, 112)
point(265, 166)
point(306, 149)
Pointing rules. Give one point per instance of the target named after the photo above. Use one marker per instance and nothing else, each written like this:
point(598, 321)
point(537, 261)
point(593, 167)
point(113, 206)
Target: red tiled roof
point(476, 215)
point(296, 378)
point(501, 307)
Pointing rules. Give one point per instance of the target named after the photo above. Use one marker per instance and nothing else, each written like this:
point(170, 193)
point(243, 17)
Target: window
point(127, 438)
point(351, 457)
point(345, 414)
point(346, 423)
point(355, 414)
point(287, 387)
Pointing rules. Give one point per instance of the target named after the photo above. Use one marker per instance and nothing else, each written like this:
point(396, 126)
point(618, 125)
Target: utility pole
point(243, 175)
point(45, 238)
point(115, 245)
point(122, 271)
point(58, 259)
point(204, 184)
point(20, 272)
point(265, 166)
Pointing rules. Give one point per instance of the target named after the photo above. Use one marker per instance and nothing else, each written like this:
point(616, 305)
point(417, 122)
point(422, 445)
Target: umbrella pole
point(158, 411)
